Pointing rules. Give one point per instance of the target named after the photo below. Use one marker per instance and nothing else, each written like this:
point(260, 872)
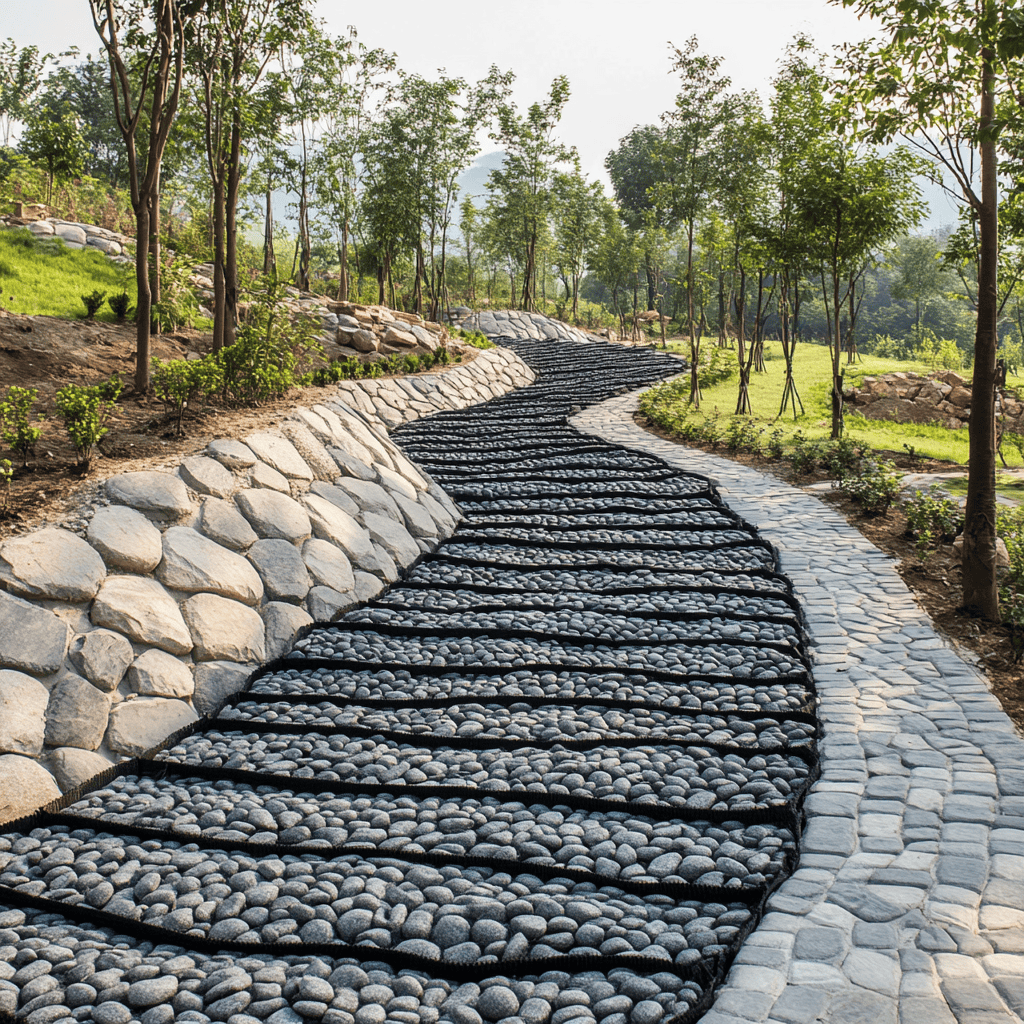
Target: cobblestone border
point(908, 904)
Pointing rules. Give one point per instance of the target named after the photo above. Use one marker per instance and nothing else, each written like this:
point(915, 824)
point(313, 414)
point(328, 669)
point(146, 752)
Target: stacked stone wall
point(172, 586)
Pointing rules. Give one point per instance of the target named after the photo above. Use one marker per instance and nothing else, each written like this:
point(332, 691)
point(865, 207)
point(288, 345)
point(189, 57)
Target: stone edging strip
point(908, 903)
point(161, 598)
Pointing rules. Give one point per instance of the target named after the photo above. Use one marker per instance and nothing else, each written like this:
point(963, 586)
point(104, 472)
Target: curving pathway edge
point(908, 904)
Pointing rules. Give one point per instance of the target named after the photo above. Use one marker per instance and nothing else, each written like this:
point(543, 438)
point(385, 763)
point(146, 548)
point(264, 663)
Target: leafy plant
point(180, 382)
point(841, 457)
point(932, 517)
point(120, 306)
point(804, 455)
point(719, 366)
point(6, 476)
point(875, 487)
point(273, 344)
point(84, 412)
point(178, 305)
point(15, 427)
point(474, 338)
point(93, 302)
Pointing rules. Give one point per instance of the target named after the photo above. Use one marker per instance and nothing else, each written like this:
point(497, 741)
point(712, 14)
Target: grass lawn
point(812, 369)
point(45, 278)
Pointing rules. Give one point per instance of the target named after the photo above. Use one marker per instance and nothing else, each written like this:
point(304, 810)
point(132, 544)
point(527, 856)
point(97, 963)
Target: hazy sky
point(616, 54)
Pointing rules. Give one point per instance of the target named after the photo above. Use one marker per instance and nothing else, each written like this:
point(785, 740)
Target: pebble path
point(908, 903)
point(550, 777)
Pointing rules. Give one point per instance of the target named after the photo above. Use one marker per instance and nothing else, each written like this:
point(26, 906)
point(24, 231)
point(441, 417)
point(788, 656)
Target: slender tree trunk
point(837, 352)
point(981, 595)
point(343, 261)
point(231, 235)
point(269, 258)
point(144, 302)
point(154, 254)
point(694, 336)
point(219, 267)
point(743, 398)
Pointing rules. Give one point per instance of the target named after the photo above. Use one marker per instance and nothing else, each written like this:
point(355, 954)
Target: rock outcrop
point(943, 397)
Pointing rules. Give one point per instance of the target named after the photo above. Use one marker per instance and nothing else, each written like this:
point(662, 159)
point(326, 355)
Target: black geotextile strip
point(399, 960)
point(781, 815)
point(649, 589)
point(293, 661)
point(434, 632)
point(511, 523)
point(581, 509)
point(682, 892)
point(429, 740)
point(534, 701)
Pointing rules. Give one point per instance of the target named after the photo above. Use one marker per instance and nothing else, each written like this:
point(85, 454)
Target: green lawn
point(45, 278)
point(812, 370)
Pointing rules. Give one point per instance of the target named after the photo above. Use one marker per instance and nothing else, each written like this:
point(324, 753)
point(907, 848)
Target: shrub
point(178, 305)
point(474, 338)
point(841, 457)
point(932, 517)
point(15, 428)
point(181, 382)
point(84, 412)
point(875, 487)
point(804, 455)
point(93, 301)
point(272, 345)
point(120, 306)
point(742, 435)
point(717, 365)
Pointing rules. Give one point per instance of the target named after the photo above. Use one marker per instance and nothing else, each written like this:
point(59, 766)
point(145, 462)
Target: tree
point(153, 47)
point(341, 173)
point(849, 204)
point(919, 263)
point(522, 185)
point(85, 87)
point(579, 219)
point(635, 168)
point(935, 80)
point(56, 141)
point(704, 112)
point(20, 78)
point(233, 43)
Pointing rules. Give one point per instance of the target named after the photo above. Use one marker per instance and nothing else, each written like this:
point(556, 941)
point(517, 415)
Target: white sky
point(615, 54)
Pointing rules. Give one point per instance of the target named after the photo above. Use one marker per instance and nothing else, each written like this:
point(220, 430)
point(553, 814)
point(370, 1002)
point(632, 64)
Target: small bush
point(15, 427)
point(742, 436)
point(717, 365)
point(804, 455)
point(841, 457)
point(120, 306)
point(84, 412)
point(181, 382)
point(474, 338)
point(93, 301)
point(932, 518)
point(876, 487)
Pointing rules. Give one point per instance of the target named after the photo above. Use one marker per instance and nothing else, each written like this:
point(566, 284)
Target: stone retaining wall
point(514, 323)
point(174, 585)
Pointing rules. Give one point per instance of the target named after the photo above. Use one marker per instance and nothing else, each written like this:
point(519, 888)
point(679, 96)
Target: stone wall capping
point(173, 585)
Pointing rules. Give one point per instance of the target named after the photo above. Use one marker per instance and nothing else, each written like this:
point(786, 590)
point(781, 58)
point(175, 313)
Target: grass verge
point(667, 405)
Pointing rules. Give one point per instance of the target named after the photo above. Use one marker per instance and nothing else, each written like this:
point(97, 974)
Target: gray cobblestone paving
point(908, 903)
